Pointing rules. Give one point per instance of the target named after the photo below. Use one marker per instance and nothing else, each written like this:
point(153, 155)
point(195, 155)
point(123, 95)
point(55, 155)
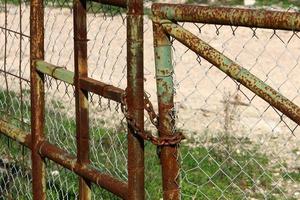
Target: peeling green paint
point(166, 125)
point(57, 72)
point(164, 72)
point(234, 70)
point(14, 133)
point(259, 18)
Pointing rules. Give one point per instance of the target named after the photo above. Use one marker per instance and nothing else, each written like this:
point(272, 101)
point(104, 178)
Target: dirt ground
point(207, 101)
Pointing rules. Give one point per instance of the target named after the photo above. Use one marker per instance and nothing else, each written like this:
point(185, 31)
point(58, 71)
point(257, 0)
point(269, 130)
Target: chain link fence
point(15, 163)
point(108, 144)
point(237, 146)
point(106, 58)
point(107, 62)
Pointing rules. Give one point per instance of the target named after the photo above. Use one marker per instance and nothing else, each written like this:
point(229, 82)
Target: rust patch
point(228, 16)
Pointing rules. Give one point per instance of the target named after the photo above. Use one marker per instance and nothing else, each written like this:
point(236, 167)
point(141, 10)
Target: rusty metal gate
point(165, 21)
point(42, 149)
point(134, 100)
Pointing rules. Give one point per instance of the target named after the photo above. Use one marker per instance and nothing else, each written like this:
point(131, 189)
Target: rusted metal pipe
point(14, 32)
point(66, 160)
point(165, 94)
point(16, 76)
point(81, 96)
point(233, 70)
point(37, 98)
point(15, 133)
point(97, 87)
point(102, 89)
point(56, 72)
point(135, 98)
point(228, 16)
point(119, 3)
point(84, 170)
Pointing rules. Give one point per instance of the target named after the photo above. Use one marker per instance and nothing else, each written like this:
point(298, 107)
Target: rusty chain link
point(147, 135)
point(150, 110)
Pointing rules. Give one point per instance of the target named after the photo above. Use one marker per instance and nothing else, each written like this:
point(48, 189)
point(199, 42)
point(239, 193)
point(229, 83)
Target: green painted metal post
point(233, 70)
point(165, 93)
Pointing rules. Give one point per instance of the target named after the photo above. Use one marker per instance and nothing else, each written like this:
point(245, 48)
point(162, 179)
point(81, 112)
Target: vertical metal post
point(165, 94)
point(135, 98)
point(81, 96)
point(37, 98)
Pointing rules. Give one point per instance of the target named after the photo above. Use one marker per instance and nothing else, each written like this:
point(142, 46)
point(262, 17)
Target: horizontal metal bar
point(54, 71)
point(228, 16)
point(14, 32)
point(15, 133)
point(119, 3)
point(102, 89)
point(234, 70)
point(16, 76)
point(66, 160)
point(88, 84)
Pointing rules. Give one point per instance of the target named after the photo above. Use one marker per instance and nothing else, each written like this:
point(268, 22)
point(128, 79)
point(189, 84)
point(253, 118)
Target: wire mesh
point(61, 183)
point(14, 80)
point(15, 166)
point(15, 170)
point(238, 146)
point(108, 144)
point(107, 63)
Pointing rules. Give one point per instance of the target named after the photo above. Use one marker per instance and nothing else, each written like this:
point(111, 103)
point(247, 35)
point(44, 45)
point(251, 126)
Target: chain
point(146, 135)
point(150, 110)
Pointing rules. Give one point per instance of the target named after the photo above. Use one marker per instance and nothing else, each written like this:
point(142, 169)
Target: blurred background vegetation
point(280, 3)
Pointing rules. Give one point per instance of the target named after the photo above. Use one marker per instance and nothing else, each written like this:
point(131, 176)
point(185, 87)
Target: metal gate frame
point(165, 18)
point(42, 149)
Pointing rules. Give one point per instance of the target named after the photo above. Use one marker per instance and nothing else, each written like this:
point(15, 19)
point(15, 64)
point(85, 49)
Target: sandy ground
point(208, 103)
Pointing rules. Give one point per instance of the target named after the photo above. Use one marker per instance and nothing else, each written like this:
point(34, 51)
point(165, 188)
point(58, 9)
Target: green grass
point(10, 105)
point(295, 176)
point(220, 174)
point(92, 7)
point(207, 172)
